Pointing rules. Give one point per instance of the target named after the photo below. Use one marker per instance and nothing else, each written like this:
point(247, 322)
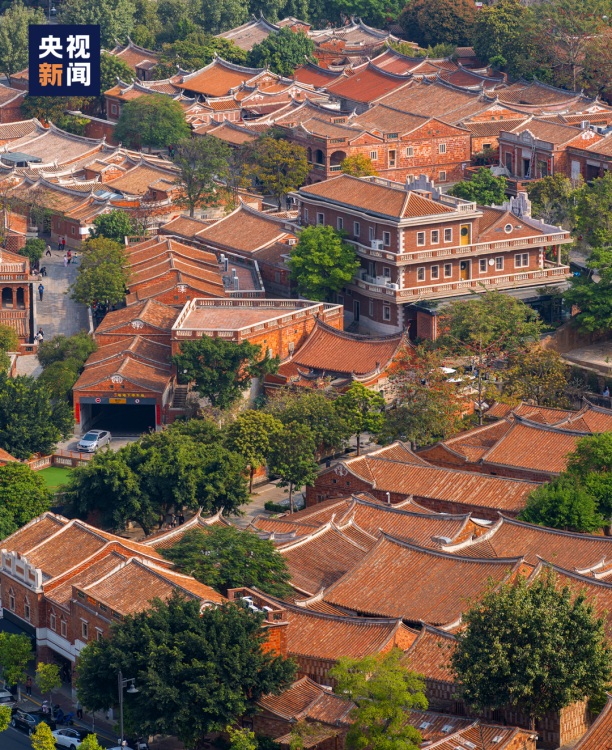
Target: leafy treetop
point(358, 165)
point(115, 225)
point(23, 496)
point(152, 120)
point(250, 435)
point(563, 504)
point(282, 52)
point(430, 22)
point(278, 165)
point(201, 161)
point(292, 457)
point(102, 275)
point(592, 293)
point(14, 23)
point(484, 188)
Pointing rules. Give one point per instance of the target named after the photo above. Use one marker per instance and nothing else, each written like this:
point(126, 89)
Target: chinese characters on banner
point(64, 60)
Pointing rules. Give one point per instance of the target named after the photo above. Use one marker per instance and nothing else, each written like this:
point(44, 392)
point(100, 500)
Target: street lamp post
point(131, 690)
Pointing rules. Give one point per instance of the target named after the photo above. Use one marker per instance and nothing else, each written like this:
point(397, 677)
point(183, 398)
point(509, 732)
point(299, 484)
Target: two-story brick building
point(415, 244)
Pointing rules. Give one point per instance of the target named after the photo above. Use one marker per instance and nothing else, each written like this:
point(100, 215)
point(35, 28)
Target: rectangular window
point(99, 634)
point(485, 146)
point(387, 272)
point(482, 265)
point(26, 611)
point(521, 260)
point(392, 155)
point(448, 270)
point(442, 176)
point(435, 272)
point(386, 312)
point(305, 216)
point(421, 273)
point(356, 228)
point(386, 239)
point(373, 155)
point(499, 263)
point(72, 231)
point(370, 233)
point(448, 235)
point(371, 308)
point(442, 148)
point(435, 236)
point(64, 629)
point(113, 109)
point(340, 223)
point(53, 622)
point(84, 629)
point(420, 238)
point(12, 602)
point(320, 218)
point(409, 151)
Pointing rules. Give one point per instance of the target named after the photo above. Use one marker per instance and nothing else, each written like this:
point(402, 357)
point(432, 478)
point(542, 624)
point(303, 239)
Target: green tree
point(241, 738)
point(202, 161)
point(427, 407)
point(90, 743)
point(146, 479)
point(278, 165)
point(225, 557)
point(552, 199)
point(563, 504)
point(363, 409)
point(23, 496)
point(592, 293)
point(221, 15)
point(486, 328)
point(15, 653)
point(282, 52)
point(62, 348)
point(358, 165)
point(519, 648)
point(115, 225)
point(504, 36)
point(537, 375)
point(115, 17)
point(176, 649)
point(321, 263)
point(383, 690)
point(14, 24)
point(433, 21)
point(42, 738)
point(195, 52)
point(33, 249)
point(292, 457)
point(5, 718)
point(29, 422)
point(112, 68)
point(49, 108)
point(59, 379)
point(221, 370)
point(250, 436)
point(9, 342)
point(151, 120)
point(330, 428)
point(48, 678)
point(102, 275)
point(484, 188)
point(591, 465)
point(593, 213)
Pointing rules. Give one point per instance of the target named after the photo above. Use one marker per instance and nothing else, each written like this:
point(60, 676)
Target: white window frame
point(392, 158)
point(339, 223)
point(435, 236)
point(370, 233)
point(499, 263)
point(370, 308)
point(306, 216)
point(441, 148)
point(521, 260)
point(386, 312)
point(482, 265)
point(85, 630)
point(27, 610)
point(357, 229)
point(420, 239)
point(320, 219)
point(442, 175)
point(53, 622)
point(448, 234)
point(373, 155)
point(409, 152)
point(448, 267)
point(386, 272)
point(421, 273)
point(387, 239)
point(63, 628)
point(11, 600)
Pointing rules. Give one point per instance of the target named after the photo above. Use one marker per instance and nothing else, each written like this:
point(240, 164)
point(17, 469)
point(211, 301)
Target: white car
point(69, 737)
point(93, 440)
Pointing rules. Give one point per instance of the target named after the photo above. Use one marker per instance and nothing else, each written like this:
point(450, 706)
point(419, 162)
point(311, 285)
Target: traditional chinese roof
point(555, 133)
point(139, 179)
point(397, 579)
point(306, 699)
point(150, 312)
point(599, 736)
point(219, 78)
point(250, 33)
point(170, 537)
point(128, 367)
point(184, 226)
point(141, 348)
point(314, 75)
point(134, 56)
point(366, 84)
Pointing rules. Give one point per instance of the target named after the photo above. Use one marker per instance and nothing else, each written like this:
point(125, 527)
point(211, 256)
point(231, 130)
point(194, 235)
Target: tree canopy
point(23, 496)
point(62, 348)
point(225, 557)
point(250, 435)
point(115, 225)
point(322, 263)
point(591, 293)
point(358, 165)
point(537, 375)
point(15, 653)
point(484, 188)
point(282, 52)
point(504, 36)
point(292, 457)
point(383, 691)
point(102, 275)
point(9, 342)
point(563, 504)
point(363, 409)
point(202, 161)
point(115, 17)
point(593, 213)
point(433, 21)
point(277, 165)
point(197, 669)
point(194, 52)
point(591, 465)
point(14, 24)
point(42, 739)
point(33, 249)
point(111, 68)
point(520, 648)
point(221, 370)
point(152, 120)
point(552, 199)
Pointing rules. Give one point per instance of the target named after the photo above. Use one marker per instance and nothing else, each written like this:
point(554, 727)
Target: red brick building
point(16, 294)
point(415, 243)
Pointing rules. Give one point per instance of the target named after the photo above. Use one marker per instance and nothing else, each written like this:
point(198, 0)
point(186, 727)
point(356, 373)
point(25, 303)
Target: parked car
point(7, 698)
point(94, 439)
point(28, 721)
point(69, 737)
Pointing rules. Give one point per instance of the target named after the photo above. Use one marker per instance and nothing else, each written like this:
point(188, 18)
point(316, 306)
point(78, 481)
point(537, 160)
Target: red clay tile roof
point(431, 99)
point(141, 348)
point(75, 542)
point(321, 558)
point(6, 457)
point(389, 120)
point(397, 579)
point(430, 655)
point(184, 226)
point(330, 636)
point(335, 351)
point(484, 737)
point(305, 699)
point(366, 193)
point(34, 532)
point(599, 736)
point(218, 78)
point(133, 55)
point(316, 76)
point(508, 538)
point(62, 591)
point(365, 84)
point(244, 230)
point(151, 312)
point(149, 376)
point(430, 724)
point(168, 538)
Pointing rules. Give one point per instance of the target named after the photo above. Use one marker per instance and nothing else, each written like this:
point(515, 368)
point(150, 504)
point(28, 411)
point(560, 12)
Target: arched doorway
point(7, 297)
point(21, 298)
point(336, 160)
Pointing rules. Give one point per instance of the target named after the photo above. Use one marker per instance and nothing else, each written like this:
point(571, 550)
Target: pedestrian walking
point(63, 243)
point(41, 291)
point(65, 261)
point(59, 245)
point(28, 686)
point(79, 710)
point(181, 519)
point(40, 336)
point(69, 256)
point(48, 252)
